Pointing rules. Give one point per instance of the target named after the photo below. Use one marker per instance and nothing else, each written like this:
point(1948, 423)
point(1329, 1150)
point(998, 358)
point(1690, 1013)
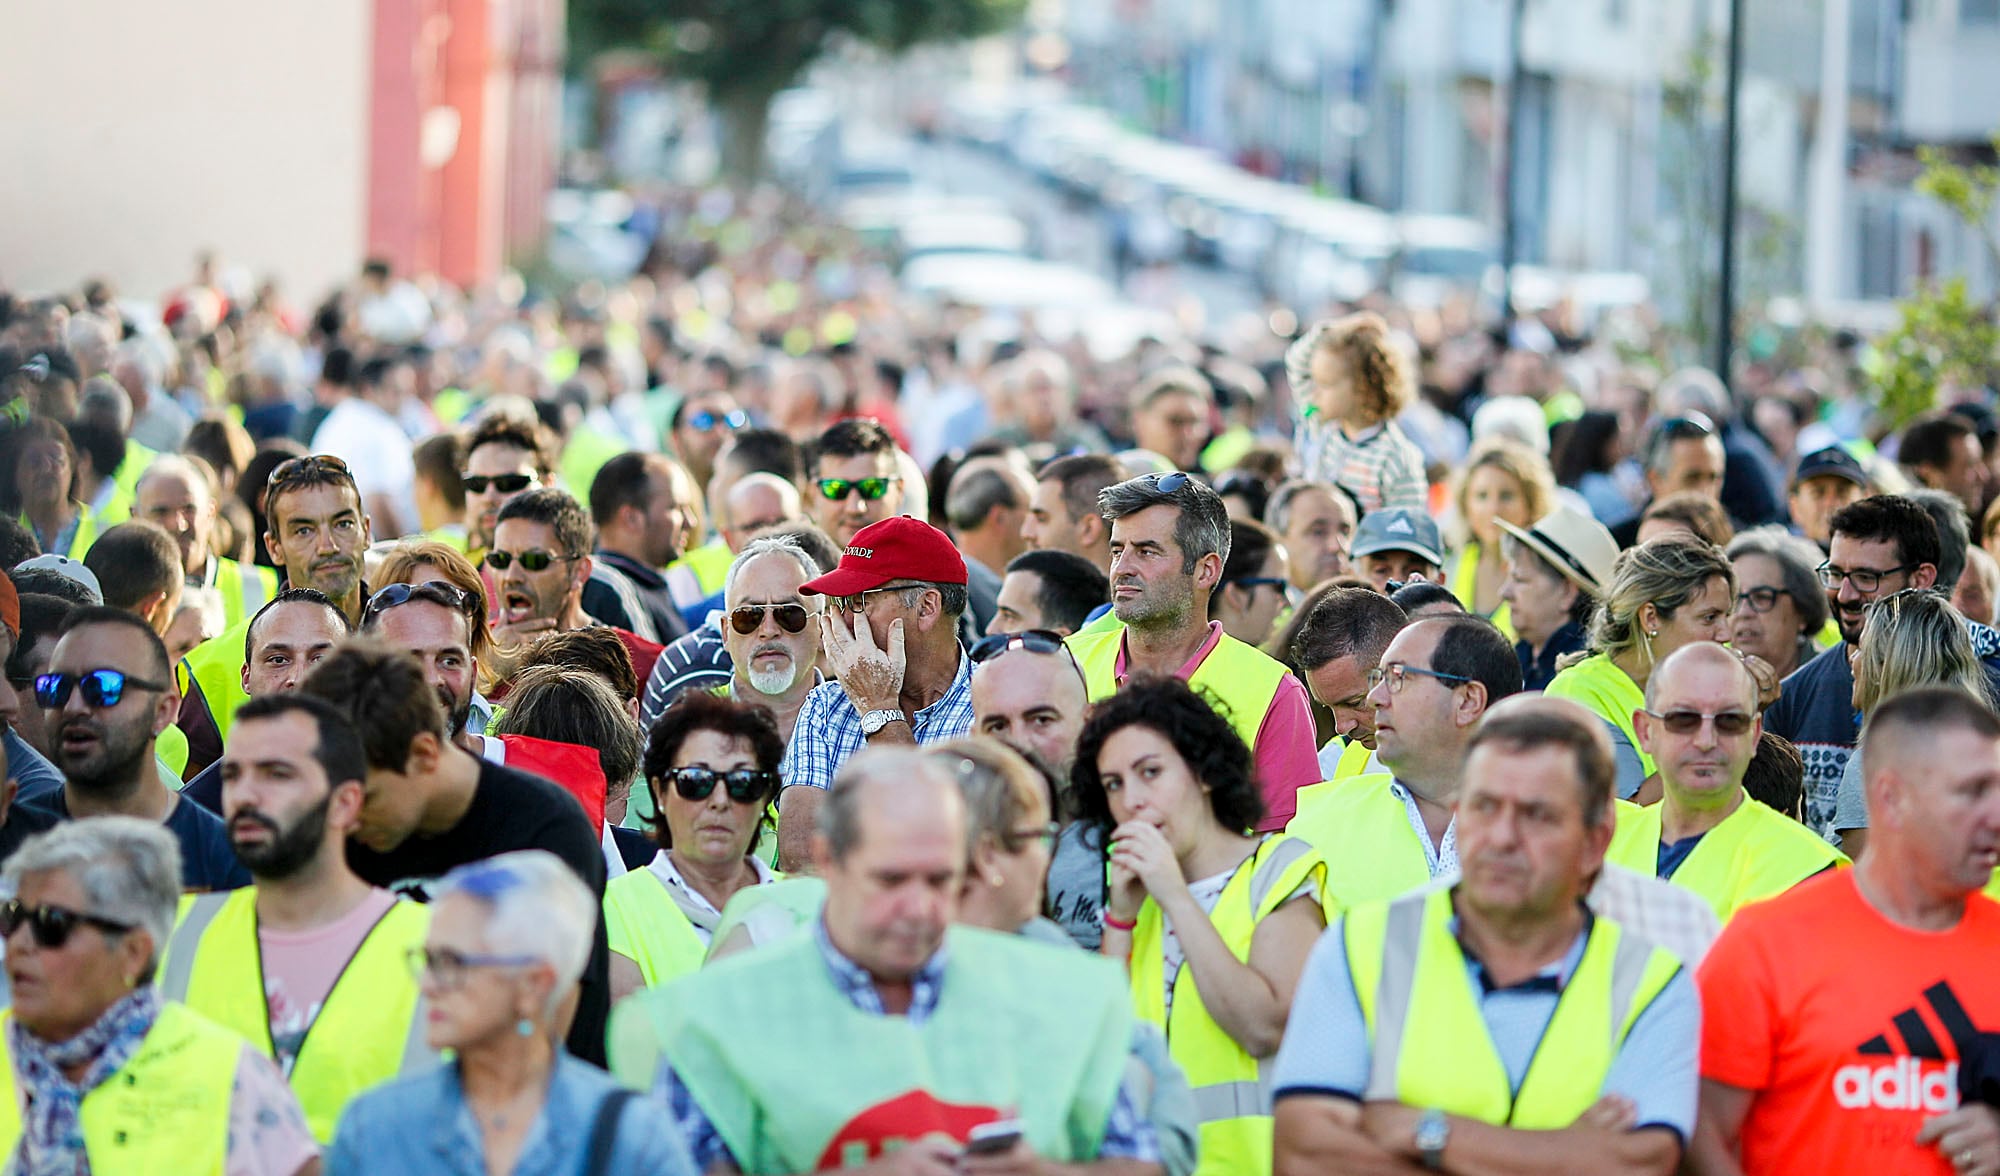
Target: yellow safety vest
point(369, 1029)
point(1237, 680)
point(1364, 833)
point(245, 588)
point(1754, 853)
point(1465, 585)
point(708, 564)
point(88, 524)
point(217, 666)
point(1230, 1098)
point(137, 459)
point(166, 1109)
point(1429, 1046)
point(646, 926)
point(1353, 758)
point(1607, 691)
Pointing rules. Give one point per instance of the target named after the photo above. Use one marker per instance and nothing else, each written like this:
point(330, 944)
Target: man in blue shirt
point(108, 694)
point(1534, 821)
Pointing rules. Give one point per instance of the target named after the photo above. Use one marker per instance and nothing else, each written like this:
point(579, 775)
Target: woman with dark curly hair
point(712, 766)
point(1213, 921)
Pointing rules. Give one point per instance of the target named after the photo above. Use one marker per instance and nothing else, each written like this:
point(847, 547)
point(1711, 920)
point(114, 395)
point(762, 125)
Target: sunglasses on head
point(52, 925)
point(1033, 640)
point(441, 592)
point(504, 483)
point(101, 688)
point(872, 489)
point(748, 618)
point(703, 421)
point(744, 785)
point(1168, 483)
point(1682, 722)
point(536, 560)
point(317, 467)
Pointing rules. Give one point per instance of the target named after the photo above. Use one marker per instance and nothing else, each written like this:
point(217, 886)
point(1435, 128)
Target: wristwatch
point(875, 720)
point(1433, 1133)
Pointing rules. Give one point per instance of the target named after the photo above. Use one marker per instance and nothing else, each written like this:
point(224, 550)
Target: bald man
point(1700, 724)
point(756, 502)
point(175, 495)
point(772, 1065)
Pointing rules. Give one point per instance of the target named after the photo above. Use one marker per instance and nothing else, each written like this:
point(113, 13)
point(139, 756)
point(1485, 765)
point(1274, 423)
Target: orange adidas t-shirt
point(1846, 1025)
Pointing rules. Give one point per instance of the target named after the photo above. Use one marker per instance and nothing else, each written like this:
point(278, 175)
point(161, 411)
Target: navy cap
point(1831, 462)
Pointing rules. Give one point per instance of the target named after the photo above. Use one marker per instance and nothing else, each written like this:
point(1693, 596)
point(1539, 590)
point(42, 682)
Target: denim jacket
point(422, 1126)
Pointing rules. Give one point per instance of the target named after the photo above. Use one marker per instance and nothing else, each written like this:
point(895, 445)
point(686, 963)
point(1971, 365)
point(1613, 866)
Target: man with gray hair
point(807, 1053)
point(158, 422)
point(1169, 542)
point(771, 628)
point(179, 498)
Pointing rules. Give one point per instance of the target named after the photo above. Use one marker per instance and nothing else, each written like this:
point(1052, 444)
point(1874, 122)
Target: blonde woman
point(1503, 480)
point(1662, 595)
point(1914, 638)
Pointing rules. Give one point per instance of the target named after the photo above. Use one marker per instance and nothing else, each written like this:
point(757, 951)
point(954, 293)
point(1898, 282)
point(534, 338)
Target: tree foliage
point(745, 51)
point(1944, 336)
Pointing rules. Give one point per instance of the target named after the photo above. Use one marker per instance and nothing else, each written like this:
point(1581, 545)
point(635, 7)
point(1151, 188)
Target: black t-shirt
point(511, 809)
point(208, 861)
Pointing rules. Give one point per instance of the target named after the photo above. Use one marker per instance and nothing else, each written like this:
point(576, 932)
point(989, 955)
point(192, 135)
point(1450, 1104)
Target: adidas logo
point(1399, 526)
point(1918, 1078)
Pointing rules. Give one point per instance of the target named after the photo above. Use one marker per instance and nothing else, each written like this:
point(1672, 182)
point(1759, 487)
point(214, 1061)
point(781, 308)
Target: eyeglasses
point(1681, 722)
point(748, 618)
point(1760, 600)
point(504, 483)
point(52, 926)
point(313, 468)
point(857, 604)
point(1283, 586)
point(703, 421)
point(441, 592)
point(1863, 579)
point(449, 967)
point(1398, 675)
point(744, 785)
point(1016, 840)
point(872, 489)
point(535, 560)
point(102, 689)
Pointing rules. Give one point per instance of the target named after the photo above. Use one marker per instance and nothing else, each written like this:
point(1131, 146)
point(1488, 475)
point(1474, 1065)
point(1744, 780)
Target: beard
point(110, 767)
point(289, 850)
point(774, 682)
point(1162, 603)
point(458, 711)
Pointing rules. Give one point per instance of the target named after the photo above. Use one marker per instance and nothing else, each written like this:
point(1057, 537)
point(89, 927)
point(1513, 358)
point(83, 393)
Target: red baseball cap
point(901, 548)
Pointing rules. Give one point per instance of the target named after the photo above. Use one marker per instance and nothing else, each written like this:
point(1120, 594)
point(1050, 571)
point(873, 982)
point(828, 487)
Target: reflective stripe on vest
point(1607, 691)
point(1428, 1042)
point(1753, 853)
point(1230, 1096)
point(1238, 680)
point(171, 1099)
point(369, 1028)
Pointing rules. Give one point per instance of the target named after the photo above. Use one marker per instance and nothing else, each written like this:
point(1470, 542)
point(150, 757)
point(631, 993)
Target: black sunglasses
point(52, 925)
point(1033, 640)
point(101, 688)
point(744, 785)
point(313, 468)
point(533, 561)
point(504, 483)
point(441, 592)
point(748, 618)
point(871, 489)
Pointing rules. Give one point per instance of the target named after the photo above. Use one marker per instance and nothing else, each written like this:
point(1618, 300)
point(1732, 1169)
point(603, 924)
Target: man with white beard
point(771, 629)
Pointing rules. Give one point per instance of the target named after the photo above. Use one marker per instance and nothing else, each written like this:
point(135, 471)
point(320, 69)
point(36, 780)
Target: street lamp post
point(1510, 243)
point(1725, 324)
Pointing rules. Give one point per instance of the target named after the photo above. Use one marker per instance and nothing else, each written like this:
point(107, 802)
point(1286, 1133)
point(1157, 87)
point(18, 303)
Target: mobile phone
point(992, 1138)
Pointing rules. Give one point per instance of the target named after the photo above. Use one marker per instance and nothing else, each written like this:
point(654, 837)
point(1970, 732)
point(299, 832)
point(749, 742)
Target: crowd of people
point(738, 720)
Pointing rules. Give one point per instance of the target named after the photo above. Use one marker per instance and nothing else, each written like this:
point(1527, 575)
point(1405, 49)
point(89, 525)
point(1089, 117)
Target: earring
point(524, 1027)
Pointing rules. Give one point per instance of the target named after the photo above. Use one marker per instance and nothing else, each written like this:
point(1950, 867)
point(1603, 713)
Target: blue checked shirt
point(1127, 1133)
point(829, 728)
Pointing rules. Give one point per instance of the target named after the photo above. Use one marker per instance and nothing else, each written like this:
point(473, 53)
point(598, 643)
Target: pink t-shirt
point(1287, 759)
point(301, 966)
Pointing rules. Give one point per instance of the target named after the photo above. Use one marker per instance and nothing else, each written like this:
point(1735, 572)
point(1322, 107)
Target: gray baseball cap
point(1398, 529)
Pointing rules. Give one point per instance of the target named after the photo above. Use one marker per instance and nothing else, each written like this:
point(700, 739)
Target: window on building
point(1979, 12)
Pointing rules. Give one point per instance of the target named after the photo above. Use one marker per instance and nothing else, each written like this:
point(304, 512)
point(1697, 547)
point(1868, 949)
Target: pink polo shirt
point(1286, 758)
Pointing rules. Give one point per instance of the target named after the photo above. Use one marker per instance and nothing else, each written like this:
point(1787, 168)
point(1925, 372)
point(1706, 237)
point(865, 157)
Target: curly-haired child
point(1350, 379)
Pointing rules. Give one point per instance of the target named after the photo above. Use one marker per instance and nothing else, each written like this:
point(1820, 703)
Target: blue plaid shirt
point(829, 728)
point(1127, 1133)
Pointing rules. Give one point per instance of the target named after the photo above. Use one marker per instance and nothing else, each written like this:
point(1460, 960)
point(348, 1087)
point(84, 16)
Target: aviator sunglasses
point(748, 618)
